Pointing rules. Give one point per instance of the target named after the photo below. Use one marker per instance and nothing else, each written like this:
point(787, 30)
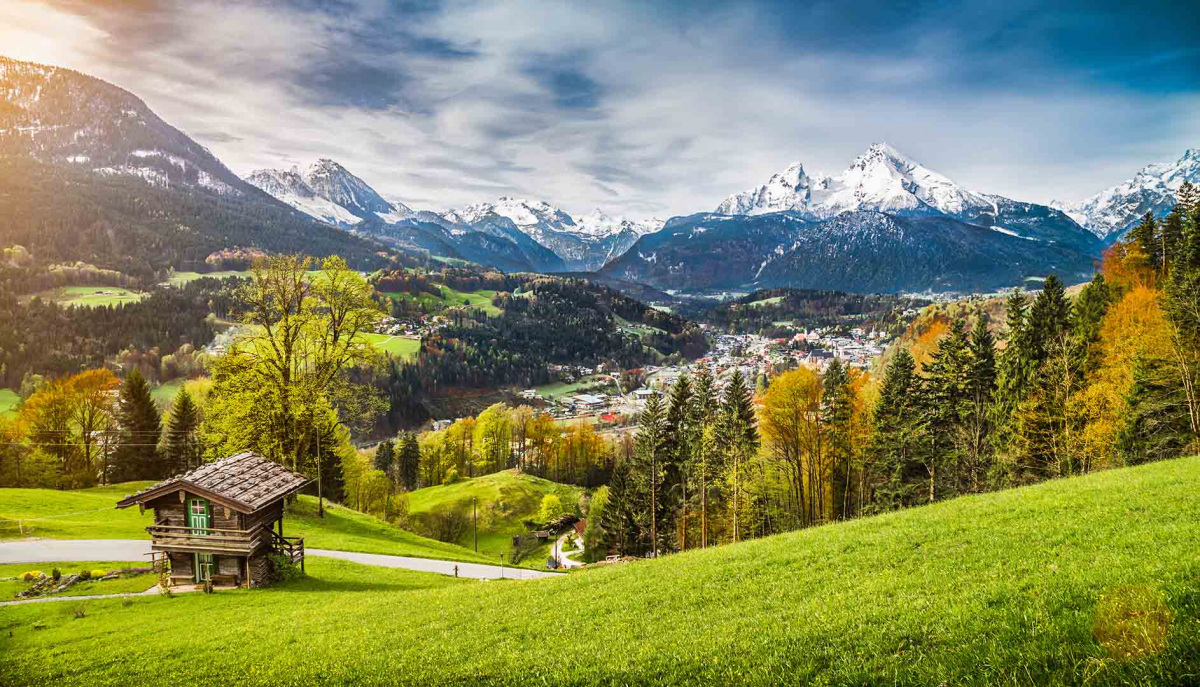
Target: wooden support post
point(247, 572)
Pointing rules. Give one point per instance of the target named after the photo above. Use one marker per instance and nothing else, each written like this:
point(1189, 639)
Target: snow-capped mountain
point(60, 116)
point(1112, 212)
point(882, 179)
point(885, 180)
point(329, 192)
point(584, 243)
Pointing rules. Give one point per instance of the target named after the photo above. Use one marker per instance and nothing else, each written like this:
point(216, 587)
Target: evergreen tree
point(897, 463)
point(409, 462)
point(181, 443)
point(678, 441)
point(837, 414)
point(1189, 197)
point(137, 456)
point(619, 519)
point(705, 455)
point(651, 455)
point(385, 454)
point(942, 399)
point(1147, 236)
point(738, 432)
point(1171, 238)
point(1086, 316)
point(976, 430)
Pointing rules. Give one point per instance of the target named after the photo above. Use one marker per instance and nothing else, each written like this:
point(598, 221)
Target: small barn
point(220, 521)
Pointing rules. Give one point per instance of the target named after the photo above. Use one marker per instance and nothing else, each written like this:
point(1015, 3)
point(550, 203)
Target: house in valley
point(220, 521)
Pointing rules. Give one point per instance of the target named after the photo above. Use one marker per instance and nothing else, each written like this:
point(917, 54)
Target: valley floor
point(1091, 580)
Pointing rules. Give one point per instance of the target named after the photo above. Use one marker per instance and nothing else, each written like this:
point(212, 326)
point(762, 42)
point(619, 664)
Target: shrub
point(282, 568)
point(31, 575)
point(447, 525)
point(126, 602)
point(97, 574)
point(452, 476)
point(56, 574)
point(85, 575)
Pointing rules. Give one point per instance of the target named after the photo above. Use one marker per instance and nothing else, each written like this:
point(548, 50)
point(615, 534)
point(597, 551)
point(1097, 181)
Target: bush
point(97, 574)
point(447, 525)
point(85, 575)
point(452, 476)
point(282, 568)
point(31, 575)
point(56, 574)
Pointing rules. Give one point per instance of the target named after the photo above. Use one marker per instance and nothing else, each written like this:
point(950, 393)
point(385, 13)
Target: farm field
point(88, 296)
point(1087, 580)
point(9, 400)
point(556, 390)
point(399, 346)
point(92, 514)
point(480, 300)
point(504, 500)
point(181, 278)
point(126, 584)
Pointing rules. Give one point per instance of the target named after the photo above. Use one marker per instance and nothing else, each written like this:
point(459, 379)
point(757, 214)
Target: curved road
point(58, 550)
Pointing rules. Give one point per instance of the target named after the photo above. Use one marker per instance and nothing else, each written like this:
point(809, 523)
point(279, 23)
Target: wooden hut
point(220, 521)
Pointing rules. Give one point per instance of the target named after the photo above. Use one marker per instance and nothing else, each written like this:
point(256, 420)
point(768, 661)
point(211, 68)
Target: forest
point(767, 312)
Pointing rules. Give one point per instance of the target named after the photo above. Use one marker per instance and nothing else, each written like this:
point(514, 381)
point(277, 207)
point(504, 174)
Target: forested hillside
point(1063, 386)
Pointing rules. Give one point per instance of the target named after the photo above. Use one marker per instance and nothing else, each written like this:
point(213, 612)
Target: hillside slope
point(504, 500)
point(1089, 580)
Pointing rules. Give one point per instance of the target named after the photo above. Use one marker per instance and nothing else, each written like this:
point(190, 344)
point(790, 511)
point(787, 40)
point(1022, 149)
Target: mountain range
point(88, 172)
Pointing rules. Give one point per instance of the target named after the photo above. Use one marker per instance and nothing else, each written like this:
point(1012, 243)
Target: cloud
point(645, 108)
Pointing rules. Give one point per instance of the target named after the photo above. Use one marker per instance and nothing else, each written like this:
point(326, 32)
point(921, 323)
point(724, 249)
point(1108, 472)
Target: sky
point(646, 108)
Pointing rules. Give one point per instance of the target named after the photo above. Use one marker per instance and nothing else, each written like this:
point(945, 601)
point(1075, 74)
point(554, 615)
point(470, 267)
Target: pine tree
point(837, 414)
point(650, 455)
point(385, 455)
point(1171, 238)
point(705, 454)
point(897, 463)
point(1188, 197)
point(137, 453)
point(619, 518)
point(678, 441)
point(943, 400)
point(976, 430)
point(181, 443)
point(738, 436)
point(1087, 314)
point(409, 460)
point(1147, 235)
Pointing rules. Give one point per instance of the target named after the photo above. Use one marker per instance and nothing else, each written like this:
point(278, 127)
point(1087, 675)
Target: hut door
point(198, 515)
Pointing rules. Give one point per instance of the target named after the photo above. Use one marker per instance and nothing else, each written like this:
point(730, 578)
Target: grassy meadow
point(88, 296)
point(398, 346)
point(1090, 580)
point(133, 583)
point(450, 298)
point(9, 400)
point(92, 514)
point(504, 500)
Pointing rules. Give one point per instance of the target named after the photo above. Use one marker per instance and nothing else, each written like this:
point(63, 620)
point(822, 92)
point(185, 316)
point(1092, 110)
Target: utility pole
point(475, 524)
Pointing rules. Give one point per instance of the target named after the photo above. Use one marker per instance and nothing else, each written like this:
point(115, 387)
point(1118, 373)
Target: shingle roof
point(246, 482)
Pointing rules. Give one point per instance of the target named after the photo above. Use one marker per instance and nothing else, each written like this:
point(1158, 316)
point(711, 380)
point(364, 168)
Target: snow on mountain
point(1110, 213)
point(882, 179)
point(599, 225)
point(289, 186)
point(329, 192)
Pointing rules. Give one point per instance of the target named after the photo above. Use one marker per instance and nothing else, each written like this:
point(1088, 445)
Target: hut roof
point(244, 482)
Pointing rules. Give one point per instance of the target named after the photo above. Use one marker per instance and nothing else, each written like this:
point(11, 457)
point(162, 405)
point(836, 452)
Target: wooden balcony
point(209, 539)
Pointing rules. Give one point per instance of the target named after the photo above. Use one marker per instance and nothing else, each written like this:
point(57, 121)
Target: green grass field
point(164, 394)
point(765, 302)
point(399, 346)
point(503, 500)
point(1091, 580)
point(132, 583)
point(181, 278)
point(9, 400)
point(88, 296)
point(92, 514)
point(556, 390)
point(449, 298)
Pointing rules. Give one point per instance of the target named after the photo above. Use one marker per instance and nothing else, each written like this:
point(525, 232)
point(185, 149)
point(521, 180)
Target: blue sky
point(646, 108)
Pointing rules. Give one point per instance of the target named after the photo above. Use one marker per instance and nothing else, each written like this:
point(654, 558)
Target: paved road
point(58, 550)
point(564, 556)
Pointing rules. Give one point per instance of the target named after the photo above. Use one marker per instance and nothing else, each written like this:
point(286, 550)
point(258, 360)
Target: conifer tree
point(979, 393)
point(704, 447)
point(738, 436)
point(409, 460)
point(897, 465)
point(942, 400)
point(1147, 235)
point(651, 454)
point(181, 443)
point(385, 455)
point(678, 441)
point(837, 413)
point(137, 451)
point(619, 519)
